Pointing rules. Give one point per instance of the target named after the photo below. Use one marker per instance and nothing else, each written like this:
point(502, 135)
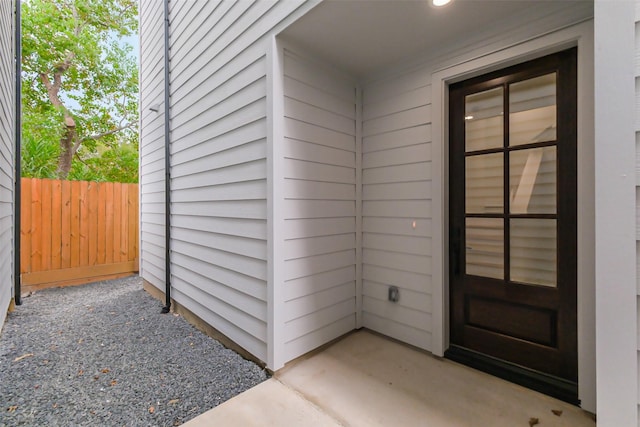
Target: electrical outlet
point(394, 293)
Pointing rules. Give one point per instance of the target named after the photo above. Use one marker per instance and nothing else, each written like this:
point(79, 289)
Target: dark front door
point(513, 232)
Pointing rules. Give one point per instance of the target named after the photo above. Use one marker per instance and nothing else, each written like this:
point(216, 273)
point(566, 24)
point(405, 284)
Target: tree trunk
point(67, 148)
point(69, 142)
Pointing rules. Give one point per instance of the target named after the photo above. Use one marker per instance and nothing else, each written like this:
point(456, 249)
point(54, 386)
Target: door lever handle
point(455, 250)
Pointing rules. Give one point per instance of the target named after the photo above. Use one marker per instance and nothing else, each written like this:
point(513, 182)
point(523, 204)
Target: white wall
point(218, 125)
point(152, 243)
point(220, 132)
point(319, 150)
point(7, 138)
point(396, 207)
point(427, 318)
point(615, 212)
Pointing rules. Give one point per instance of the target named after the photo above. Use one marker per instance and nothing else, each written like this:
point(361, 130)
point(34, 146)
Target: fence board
point(92, 238)
point(124, 235)
point(132, 223)
point(75, 224)
point(84, 224)
point(117, 210)
point(61, 275)
point(76, 232)
point(45, 245)
point(109, 208)
point(65, 228)
point(26, 228)
point(102, 225)
point(56, 225)
point(36, 226)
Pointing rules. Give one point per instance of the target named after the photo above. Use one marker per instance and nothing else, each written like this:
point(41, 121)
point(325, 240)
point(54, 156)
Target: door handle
point(455, 250)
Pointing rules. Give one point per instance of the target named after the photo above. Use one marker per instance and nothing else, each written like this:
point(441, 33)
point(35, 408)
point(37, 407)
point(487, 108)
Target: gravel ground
point(103, 355)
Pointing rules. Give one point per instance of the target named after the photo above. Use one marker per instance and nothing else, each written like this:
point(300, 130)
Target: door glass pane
point(484, 183)
point(532, 110)
point(532, 181)
point(485, 247)
point(483, 119)
point(533, 251)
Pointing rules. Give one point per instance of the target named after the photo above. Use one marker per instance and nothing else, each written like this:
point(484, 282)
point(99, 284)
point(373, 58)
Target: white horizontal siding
point(152, 207)
point(220, 315)
point(219, 181)
point(396, 207)
point(7, 137)
point(319, 205)
point(219, 163)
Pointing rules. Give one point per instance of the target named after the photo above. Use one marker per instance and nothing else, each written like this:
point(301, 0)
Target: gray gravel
point(103, 355)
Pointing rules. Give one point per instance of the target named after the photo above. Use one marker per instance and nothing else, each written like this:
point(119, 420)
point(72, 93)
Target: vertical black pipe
point(17, 194)
point(167, 166)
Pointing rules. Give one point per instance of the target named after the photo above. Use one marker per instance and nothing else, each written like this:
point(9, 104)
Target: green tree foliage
point(80, 90)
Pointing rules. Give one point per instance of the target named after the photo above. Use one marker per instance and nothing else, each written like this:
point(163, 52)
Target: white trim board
point(615, 211)
point(580, 35)
point(275, 200)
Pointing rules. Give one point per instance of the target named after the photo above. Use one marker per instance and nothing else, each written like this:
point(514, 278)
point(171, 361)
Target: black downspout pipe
point(17, 194)
point(167, 166)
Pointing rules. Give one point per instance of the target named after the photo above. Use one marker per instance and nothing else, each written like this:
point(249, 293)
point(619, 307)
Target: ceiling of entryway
point(360, 36)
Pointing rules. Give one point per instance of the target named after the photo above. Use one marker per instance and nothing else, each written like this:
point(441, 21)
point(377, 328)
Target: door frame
point(461, 68)
point(552, 367)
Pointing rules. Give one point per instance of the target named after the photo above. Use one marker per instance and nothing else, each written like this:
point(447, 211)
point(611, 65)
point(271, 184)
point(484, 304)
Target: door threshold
point(550, 385)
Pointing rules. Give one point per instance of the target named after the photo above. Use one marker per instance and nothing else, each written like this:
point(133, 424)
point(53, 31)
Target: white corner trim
point(466, 67)
point(359, 249)
point(275, 216)
point(615, 212)
point(440, 217)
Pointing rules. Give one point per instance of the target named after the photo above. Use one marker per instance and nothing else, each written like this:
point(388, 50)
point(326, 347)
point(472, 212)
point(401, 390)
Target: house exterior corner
point(307, 189)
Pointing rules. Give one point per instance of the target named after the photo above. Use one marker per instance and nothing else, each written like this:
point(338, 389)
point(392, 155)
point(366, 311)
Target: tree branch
point(62, 67)
point(53, 90)
point(124, 108)
point(76, 144)
point(109, 132)
point(78, 27)
point(81, 160)
point(77, 156)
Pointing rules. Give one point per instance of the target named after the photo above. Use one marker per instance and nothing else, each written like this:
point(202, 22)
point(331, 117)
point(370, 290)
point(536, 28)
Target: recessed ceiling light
point(439, 3)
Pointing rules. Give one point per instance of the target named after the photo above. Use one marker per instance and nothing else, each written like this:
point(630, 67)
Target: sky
point(133, 41)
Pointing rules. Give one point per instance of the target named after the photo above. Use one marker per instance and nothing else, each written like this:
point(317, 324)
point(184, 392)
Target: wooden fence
point(75, 232)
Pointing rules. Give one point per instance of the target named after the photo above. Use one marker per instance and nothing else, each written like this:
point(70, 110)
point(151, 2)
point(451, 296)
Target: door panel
point(513, 211)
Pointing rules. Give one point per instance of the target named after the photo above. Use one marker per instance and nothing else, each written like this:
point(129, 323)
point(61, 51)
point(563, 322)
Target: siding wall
point(319, 206)
point(398, 233)
point(219, 152)
point(218, 90)
point(7, 138)
point(396, 207)
point(152, 243)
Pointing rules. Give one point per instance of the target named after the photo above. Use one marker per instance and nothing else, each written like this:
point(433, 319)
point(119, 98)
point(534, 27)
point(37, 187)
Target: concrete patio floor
point(367, 380)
